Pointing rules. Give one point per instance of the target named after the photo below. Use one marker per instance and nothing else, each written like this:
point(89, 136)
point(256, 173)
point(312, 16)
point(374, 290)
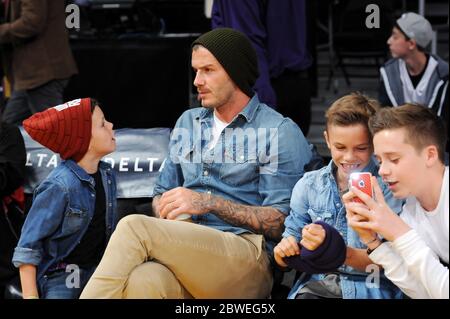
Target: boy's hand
point(181, 200)
point(313, 236)
point(286, 247)
point(375, 216)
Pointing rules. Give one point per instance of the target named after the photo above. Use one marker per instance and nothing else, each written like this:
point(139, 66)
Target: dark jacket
point(35, 43)
point(391, 90)
point(12, 174)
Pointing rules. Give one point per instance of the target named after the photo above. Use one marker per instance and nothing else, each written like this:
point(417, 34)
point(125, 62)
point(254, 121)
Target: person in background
point(278, 32)
point(414, 75)
point(12, 176)
point(36, 55)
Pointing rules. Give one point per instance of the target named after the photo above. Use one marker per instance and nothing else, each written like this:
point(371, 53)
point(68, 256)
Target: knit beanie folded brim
point(235, 53)
point(329, 256)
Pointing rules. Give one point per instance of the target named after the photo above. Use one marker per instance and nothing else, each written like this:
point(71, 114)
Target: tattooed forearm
point(267, 221)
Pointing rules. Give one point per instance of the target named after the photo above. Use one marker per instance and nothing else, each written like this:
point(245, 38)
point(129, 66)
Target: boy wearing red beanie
point(74, 209)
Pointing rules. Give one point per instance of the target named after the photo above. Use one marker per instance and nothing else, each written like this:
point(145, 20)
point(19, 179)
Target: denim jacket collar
point(79, 171)
point(248, 112)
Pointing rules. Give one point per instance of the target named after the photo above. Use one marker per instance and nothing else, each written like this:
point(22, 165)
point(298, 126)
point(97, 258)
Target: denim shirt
point(63, 206)
point(258, 166)
point(316, 197)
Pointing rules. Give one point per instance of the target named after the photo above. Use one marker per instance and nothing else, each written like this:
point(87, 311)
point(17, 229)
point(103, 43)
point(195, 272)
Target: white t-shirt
point(217, 129)
point(432, 227)
point(411, 261)
point(418, 94)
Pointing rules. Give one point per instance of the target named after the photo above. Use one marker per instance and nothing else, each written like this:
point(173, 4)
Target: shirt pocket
point(189, 166)
point(74, 219)
point(239, 169)
point(321, 215)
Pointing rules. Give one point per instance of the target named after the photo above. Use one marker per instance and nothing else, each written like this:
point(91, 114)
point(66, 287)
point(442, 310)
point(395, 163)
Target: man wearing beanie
point(414, 75)
point(74, 210)
point(231, 167)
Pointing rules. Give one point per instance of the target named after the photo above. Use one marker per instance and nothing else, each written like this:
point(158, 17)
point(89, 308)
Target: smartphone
point(363, 182)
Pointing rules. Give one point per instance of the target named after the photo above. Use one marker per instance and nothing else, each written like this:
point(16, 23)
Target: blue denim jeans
point(64, 284)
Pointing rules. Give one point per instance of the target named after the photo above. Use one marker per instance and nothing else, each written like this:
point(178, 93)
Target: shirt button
point(338, 205)
point(109, 181)
point(110, 204)
point(341, 234)
point(209, 192)
point(92, 195)
point(205, 173)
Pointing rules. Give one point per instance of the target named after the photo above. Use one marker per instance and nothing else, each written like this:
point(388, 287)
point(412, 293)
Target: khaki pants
point(149, 257)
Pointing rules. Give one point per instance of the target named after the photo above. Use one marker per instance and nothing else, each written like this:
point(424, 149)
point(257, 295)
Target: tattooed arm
point(267, 221)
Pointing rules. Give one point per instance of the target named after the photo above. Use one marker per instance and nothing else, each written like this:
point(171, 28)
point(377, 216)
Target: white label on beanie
point(68, 104)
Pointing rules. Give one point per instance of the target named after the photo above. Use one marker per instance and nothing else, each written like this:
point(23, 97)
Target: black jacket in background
point(12, 174)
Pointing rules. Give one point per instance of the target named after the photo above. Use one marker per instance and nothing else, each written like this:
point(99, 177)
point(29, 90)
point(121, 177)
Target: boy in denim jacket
point(74, 209)
point(317, 198)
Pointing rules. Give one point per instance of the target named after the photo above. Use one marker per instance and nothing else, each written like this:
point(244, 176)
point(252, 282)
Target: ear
point(327, 140)
point(431, 155)
point(412, 44)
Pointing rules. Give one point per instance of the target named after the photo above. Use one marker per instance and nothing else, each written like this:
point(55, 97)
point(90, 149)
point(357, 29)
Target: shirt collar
point(78, 171)
point(248, 113)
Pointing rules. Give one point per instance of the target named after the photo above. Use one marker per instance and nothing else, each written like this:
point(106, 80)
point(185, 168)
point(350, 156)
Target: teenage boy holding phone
point(409, 143)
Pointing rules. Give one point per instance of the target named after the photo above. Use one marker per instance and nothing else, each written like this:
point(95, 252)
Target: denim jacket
point(316, 197)
point(63, 206)
point(259, 170)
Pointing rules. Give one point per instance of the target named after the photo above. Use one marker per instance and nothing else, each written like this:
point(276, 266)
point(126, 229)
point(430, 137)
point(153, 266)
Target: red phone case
point(363, 182)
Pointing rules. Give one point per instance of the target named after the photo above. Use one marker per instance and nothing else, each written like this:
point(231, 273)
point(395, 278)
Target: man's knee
point(153, 280)
point(131, 221)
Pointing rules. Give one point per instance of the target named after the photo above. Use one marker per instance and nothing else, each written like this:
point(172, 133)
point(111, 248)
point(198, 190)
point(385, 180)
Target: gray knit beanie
point(235, 53)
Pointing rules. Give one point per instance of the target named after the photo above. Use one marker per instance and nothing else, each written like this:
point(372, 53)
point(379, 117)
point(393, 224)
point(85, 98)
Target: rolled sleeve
point(26, 256)
point(298, 216)
point(43, 219)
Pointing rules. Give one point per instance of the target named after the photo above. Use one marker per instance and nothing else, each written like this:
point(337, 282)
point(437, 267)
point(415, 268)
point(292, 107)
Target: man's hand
point(374, 216)
point(313, 236)
point(286, 247)
point(181, 200)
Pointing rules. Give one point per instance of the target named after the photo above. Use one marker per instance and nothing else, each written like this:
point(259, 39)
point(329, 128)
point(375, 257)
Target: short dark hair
point(94, 103)
point(352, 109)
point(423, 127)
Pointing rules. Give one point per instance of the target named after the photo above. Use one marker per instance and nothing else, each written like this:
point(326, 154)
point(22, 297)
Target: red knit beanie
point(64, 129)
